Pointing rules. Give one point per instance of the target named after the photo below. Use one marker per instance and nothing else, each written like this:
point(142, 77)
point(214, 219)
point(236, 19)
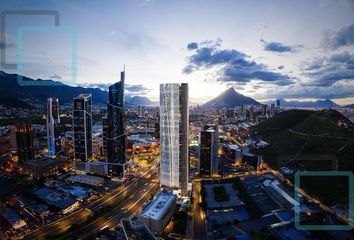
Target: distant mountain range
point(230, 98)
point(307, 104)
point(38, 94)
point(139, 100)
point(349, 106)
point(14, 95)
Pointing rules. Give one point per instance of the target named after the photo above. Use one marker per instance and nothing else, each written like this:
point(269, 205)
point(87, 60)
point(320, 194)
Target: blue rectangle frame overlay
point(22, 30)
point(300, 174)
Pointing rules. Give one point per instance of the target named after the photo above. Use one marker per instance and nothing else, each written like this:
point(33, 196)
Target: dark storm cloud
point(326, 71)
point(232, 65)
point(340, 38)
point(4, 45)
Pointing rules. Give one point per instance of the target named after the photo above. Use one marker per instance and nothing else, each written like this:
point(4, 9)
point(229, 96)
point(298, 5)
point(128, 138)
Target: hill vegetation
point(297, 132)
point(14, 103)
point(317, 134)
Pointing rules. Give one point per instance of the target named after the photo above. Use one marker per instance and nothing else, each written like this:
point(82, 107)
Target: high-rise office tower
point(272, 109)
point(208, 150)
point(242, 111)
point(116, 141)
point(230, 113)
point(252, 113)
point(140, 111)
point(264, 109)
point(174, 121)
point(24, 141)
point(82, 127)
point(53, 139)
point(105, 135)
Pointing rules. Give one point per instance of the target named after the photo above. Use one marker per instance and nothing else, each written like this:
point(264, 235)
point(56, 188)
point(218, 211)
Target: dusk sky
point(265, 49)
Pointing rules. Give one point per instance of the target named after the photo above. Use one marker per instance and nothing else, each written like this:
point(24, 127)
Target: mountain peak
point(230, 98)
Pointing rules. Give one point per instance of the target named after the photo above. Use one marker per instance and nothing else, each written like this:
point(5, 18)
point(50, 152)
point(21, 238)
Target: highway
point(200, 230)
point(128, 207)
point(121, 196)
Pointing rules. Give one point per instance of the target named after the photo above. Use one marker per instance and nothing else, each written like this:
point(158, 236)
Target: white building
point(52, 120)
point(174, 121)
point(158, 213)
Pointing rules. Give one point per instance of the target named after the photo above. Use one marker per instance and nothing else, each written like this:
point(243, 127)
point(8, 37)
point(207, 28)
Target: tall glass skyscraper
point(82, 127)
point(52, 123)
point(116, 137)
point(174, 121)
point(208, 150)
point(24, 141)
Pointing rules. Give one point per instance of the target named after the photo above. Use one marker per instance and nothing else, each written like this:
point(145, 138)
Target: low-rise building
point(86, 179)
point(93, 167)
point(42, 167)
point(136, 230)
point(158, 213)
point(12, 219)
point(55, 199)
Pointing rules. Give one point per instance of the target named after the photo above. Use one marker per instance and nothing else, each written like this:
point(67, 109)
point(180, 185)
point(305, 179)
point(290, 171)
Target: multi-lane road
point(199, 221)
point(126, 199)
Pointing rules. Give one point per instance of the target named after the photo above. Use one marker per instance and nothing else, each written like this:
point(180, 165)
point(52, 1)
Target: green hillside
point(14, 103)
point(313, 132)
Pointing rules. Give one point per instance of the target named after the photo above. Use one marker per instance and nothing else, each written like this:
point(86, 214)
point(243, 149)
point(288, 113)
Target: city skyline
point(307, 55)
point(233, 119)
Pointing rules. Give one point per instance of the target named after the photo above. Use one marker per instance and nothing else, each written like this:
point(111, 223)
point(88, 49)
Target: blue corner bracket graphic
point(22, 30)
point(297, 207)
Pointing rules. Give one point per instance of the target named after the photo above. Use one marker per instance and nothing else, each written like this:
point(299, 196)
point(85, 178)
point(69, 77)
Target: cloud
point(138, 89)
point(101, 86)
point(337, 90)
point(279, 47)
point(231, 65)
point(326, 71)
point(192, 45)
point(55, 76)
point(340, 38)
point(351, 3)
point(4, 45)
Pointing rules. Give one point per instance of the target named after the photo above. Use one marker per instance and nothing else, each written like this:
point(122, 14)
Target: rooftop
point(54, 198)
point(233, 201)
point(83, 95)
point(11, 216)
point(87, 179)
point(136, 230)
point(158, 206)
point(234, 147)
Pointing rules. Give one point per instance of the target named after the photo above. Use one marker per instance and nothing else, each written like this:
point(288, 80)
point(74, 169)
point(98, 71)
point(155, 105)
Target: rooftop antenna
point(123, 67)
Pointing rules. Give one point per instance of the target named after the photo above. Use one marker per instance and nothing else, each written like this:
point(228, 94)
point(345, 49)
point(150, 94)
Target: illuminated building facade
point(53, 119)
point(208, 151)
point(82, 127)
point(174, 121)
point(116, 137)
point(24, 141)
